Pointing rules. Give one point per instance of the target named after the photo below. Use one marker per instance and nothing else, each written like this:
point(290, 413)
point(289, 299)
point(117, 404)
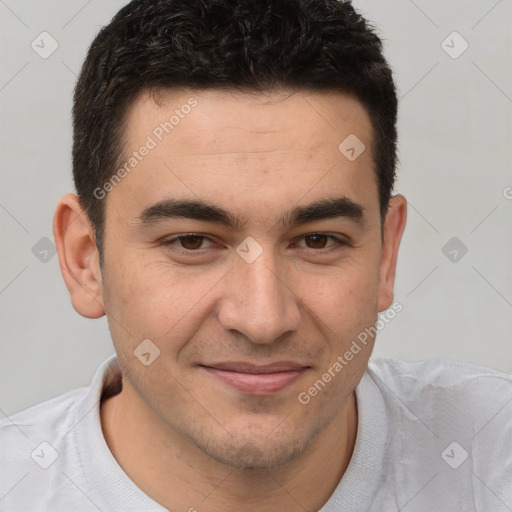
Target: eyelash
point(198, 252)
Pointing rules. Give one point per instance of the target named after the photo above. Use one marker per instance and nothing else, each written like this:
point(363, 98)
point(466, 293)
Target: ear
point(78, 257)
point(394, 226)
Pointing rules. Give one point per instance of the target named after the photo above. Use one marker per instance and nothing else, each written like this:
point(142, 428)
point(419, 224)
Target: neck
point(176, 474)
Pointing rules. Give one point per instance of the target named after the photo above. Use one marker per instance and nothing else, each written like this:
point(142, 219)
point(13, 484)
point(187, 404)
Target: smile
point(257, 380)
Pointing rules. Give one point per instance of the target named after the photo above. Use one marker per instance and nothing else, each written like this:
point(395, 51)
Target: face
point(247, 247)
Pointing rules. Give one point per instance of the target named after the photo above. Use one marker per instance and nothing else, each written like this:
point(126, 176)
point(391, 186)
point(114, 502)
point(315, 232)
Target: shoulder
point(46, 412)
point(448, 421)
point(440, 373)
point(56, 417)
point(447, 398)
point(444, 387)
point(36, 445)
point(23, 430)
point(39, 446)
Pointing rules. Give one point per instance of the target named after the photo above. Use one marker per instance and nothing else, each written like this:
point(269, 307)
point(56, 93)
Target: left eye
point(319, 241)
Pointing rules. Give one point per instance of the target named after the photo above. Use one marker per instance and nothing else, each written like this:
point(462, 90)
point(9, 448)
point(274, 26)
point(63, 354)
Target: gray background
point(455, 153)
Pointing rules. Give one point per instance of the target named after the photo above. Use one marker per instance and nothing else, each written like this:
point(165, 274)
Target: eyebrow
point(199, 210)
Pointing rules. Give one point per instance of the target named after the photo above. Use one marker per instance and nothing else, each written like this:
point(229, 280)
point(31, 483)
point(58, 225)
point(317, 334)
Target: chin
point(252, 456)
point(251, 451)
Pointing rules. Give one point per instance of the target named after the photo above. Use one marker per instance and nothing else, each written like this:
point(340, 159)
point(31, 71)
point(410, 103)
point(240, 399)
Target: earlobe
point(78, 257)
point(394, 227)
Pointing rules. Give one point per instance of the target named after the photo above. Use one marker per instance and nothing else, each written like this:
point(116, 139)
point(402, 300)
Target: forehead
point(303, 119)
point(224, 145)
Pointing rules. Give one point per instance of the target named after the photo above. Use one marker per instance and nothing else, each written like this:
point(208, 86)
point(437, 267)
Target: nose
point(258, 302)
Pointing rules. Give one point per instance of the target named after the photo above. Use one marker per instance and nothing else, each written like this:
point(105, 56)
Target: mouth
point(258, 380)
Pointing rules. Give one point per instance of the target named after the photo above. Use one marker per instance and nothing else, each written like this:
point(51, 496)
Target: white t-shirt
point(433, 436)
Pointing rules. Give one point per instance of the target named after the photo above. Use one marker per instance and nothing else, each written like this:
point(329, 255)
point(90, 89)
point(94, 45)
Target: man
point(234, 220)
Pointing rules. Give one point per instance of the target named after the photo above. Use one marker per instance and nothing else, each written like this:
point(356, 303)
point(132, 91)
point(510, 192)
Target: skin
point(184, 436)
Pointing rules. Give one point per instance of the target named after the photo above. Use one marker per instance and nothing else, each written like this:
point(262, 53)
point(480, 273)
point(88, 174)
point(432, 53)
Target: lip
point(253, 379)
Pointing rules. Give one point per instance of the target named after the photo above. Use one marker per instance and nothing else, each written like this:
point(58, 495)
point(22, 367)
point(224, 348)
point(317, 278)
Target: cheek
point(155, 300)
point(344, 295)
point(345, 306)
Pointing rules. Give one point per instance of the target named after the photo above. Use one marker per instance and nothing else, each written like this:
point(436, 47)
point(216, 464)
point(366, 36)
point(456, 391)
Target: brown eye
point(321, 243)
point(189, 245)
point(316, 241)
point(191, 242)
